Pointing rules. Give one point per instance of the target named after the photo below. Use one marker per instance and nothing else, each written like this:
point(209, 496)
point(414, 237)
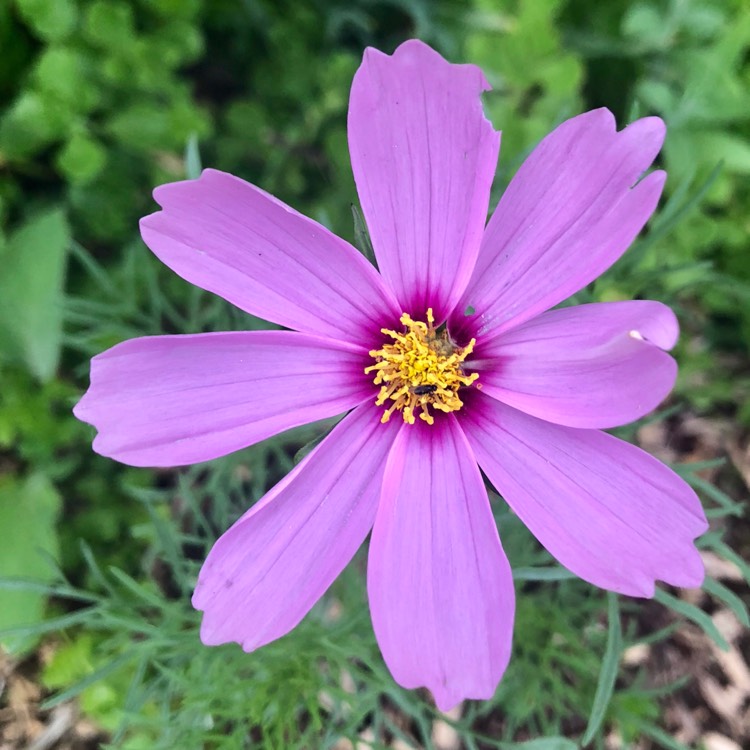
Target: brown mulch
point(24, 726)
point(713, 709)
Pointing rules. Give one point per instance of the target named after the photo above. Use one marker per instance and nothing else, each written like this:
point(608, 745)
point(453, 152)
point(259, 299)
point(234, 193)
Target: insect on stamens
point(420, 370)
point(423, 390)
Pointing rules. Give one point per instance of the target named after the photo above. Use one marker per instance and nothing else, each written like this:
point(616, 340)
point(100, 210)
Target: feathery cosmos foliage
point(447, 361)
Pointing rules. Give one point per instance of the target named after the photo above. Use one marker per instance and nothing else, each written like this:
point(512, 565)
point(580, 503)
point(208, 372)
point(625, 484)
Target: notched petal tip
point(176, 400)
point(162, 193)
point(660, 328)
point(439, 584)
point(647, 136)
point(423, 155)
point(687, 572)
point(650, 186)
point(235, 240)
point(266, 572)
point(601, 116)
point(212, 628)
point(569, 213)
point(615, 515)
point(599, 365)
point(81, 411)
point(169, 193)
point(448, 697)
point(652, 128)
point(209, 634)
point(694, 572)
point(417, 51)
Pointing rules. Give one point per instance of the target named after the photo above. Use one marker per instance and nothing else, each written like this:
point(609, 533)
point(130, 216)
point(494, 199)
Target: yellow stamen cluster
point(420, 370)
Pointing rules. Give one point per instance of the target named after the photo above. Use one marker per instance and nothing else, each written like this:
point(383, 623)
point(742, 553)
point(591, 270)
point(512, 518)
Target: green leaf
point(92, 678)
point(69, 662)
point(732, 150)
point(109, 24)
point(28, 517)
point(362, 236)
point(542, 573)
point(725, 503)
point(81, 159)
point(49, 19)
point(193, 166)
point(728, 553)
point(734, 602)
point(310, 445)
point(62, 76)
point(605, 687)
point(645, 24)
point(31, 293)
point(30, 124)
point(142, 127)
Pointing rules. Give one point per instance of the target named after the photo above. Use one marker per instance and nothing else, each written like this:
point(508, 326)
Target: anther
point(419, 370)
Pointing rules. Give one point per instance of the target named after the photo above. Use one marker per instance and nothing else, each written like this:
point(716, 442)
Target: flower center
point(419, 370)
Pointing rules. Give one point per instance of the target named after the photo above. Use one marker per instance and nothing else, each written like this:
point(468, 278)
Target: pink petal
point(265, 573)
point(231, 238)
point(569, 213)
point(598, 365)
point(608, 511)
point(424, 157)
point(439, 584)
point(171, 400)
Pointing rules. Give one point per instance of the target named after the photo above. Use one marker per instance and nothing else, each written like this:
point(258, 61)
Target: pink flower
point(448, 361)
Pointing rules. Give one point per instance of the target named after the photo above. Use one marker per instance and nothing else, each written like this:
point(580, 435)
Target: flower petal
point(608, 511)
point(231, 238)
point(424, 157)
point(265, 573)
point(439, 584)
point(569, 213)
point(597, 365)
point(172, 400)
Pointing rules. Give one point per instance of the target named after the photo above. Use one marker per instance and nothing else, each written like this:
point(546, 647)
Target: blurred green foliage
point(97, 105)
point(31, 293)
point(29, 508)
point(101, 100)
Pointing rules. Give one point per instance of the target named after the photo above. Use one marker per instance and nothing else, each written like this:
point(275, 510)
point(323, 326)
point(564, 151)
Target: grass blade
point(691, 612)
point(543, 573)
point(728, 597)
point(610, 667)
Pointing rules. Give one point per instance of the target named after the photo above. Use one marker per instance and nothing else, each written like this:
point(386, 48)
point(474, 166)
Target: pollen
point(420, 370)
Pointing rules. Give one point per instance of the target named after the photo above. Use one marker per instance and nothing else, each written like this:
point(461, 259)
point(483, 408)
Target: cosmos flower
point(448, 361)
